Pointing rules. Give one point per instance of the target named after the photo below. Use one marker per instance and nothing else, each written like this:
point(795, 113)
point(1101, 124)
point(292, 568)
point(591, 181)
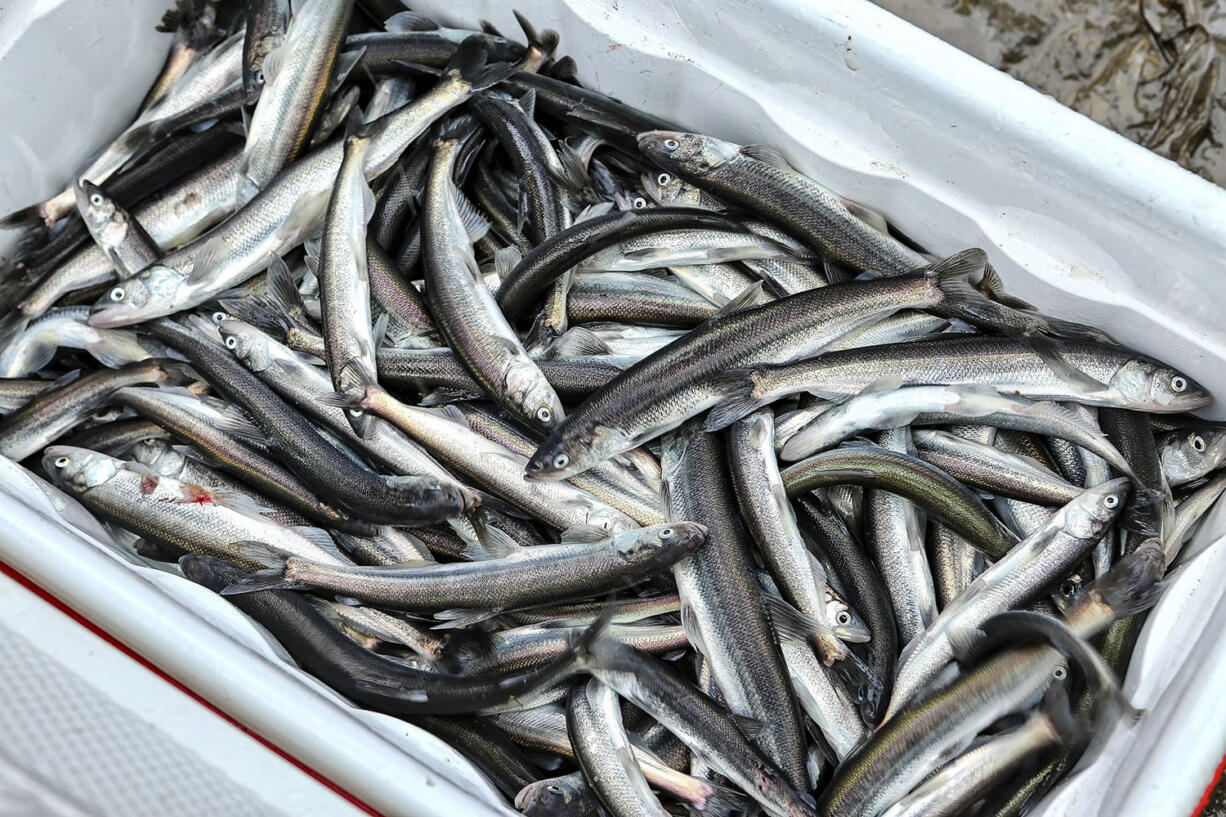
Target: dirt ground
point(1152, 70)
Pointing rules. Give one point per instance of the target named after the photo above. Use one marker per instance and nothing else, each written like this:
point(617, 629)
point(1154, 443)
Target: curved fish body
point(465, 310)
point(1034, 564)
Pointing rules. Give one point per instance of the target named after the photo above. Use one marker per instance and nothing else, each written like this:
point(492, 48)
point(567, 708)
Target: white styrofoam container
point(1077, 219)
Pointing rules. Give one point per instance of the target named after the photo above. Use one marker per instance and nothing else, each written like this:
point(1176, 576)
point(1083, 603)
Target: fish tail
point(470, 60)
point(274, 578)
point(953, 279)
point(724, 802)
point(742, 396)
point(1133, 584)
point(546, 42)
point(23, 219)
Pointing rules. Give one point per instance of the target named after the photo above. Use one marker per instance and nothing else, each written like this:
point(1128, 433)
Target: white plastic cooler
point(1078, 220)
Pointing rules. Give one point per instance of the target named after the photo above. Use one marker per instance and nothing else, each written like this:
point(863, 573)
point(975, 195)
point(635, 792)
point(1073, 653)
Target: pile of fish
point(642, 468)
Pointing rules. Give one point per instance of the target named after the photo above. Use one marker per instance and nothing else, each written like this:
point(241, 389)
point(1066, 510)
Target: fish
point(344, 283)
point(267, 22)
point(1034, 564)
point(297, 75)
point(523, 577)
point(124, 241)
point(54, 412)
point(465, 311)
point(679, 381)
point(185, 515)
point(602, 748)
point(760, 179)
point(67, 327)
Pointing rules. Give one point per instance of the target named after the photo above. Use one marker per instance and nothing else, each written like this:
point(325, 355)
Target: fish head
point(146, 295)
point(251, 346)
point(671, 541)
point(1090, 514)
point(846, 622)
point(689, 154)
point(565, 453)
point(78, 468)
point(106, 223)
point(537, 401)
point(1151, 386)
point(210, 571)
point(668, 190)
point(554, 797)
point(158, 455)
point(1188, 455)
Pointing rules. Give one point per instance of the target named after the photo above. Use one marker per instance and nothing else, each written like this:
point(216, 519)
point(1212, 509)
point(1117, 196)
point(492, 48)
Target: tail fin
point(25, 218)
point(544, 43)
point(470, 60)
point(742, 395)
point(954, 277)
point(1134, 583)
point(271, 579)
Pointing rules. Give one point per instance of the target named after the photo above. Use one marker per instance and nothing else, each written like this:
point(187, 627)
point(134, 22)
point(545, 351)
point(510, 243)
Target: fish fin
point(474, 223)
point(993, 286)
point(769, 155)
point(406, 21)
point(545, 41)
point(1049, 350)
point(378, 332)
point(272, 579)
point(564, 69)
point(274, 61)
point(572, 174)
point(303, 216)
point(344, 65)
point(237, 424)
point(471, 61)
point(790, 623)
point(752, 728)
point(693, 633)
point(962, 641)
point(338, 400)
point(321, 539)
point(505, 261)
point(23, 218)
point(1133, 584)
point(882, 385)
point(584, 535)
point(724, 802)
point(868, 215)
point(115, 349)
point(454, 415)
point(578, 342)
point(494, 541)
point(527, 103)
point(209, 258)
point(747, 299)
point(455, 619)
point(444, 394)
point(741, 397)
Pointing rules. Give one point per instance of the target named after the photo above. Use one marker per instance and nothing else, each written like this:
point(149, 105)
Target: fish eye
point(561, 461)
point(1179, 383)
point(1111, 501)
point(544, 414)
point(96, 199)
point(1060, 673)
point(554, 788)
point(1069, 588)
point(639, 203)
point(663, 179)
point(231, 342)
point(117, 294)
point(843, 618)
point(671, 143)
point(666, 532)
point(219, 316)
point(62, 462)
point(356, 412)
point(1198, 443)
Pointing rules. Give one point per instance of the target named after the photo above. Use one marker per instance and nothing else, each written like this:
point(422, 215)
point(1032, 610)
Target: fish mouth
point(105, 316)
